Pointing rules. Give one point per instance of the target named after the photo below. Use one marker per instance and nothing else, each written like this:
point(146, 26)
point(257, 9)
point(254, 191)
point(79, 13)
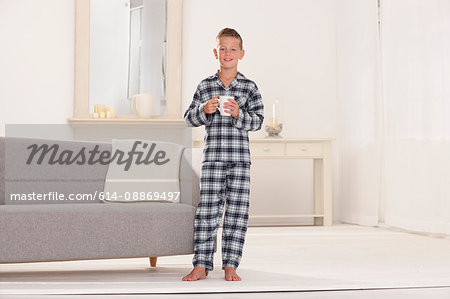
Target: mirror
point(124, 48)
point(127, 53)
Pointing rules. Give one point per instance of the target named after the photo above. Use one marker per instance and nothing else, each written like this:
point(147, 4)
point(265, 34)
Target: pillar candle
point(273, 122)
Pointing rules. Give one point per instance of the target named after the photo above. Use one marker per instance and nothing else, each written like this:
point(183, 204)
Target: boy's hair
point(228, 32)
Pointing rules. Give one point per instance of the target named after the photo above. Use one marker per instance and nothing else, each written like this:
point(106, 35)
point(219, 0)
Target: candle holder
point(274, 129)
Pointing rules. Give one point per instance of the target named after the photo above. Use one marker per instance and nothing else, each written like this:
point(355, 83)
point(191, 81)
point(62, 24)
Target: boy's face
point(228, 52)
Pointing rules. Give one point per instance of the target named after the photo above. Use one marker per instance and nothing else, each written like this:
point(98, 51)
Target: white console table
point(317, 149)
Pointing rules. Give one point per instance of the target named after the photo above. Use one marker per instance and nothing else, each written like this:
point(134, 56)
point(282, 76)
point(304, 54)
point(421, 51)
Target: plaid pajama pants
point(222, 184)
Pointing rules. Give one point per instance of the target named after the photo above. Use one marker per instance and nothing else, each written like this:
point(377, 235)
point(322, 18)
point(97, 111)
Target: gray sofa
point(65, 230)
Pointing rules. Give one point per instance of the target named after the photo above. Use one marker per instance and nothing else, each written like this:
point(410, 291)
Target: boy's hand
point(211, 106)
point(232, 107)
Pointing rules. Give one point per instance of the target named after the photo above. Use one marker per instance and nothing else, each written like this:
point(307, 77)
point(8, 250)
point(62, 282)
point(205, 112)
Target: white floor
point(342, 261)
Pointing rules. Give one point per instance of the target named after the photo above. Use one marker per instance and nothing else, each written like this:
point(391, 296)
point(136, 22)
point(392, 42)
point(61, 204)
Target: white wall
point(36, 61)
point(291, 56)
point(290, 53)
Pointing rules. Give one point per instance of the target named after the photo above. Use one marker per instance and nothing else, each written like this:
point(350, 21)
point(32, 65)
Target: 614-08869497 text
point(139, 195)
point(127, 196)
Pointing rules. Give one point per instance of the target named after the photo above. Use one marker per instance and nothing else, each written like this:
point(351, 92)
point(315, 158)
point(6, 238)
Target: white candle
point(273, 122)
point(273, 111)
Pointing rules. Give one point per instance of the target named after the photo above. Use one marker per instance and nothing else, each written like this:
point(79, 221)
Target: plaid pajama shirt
point(225, 176)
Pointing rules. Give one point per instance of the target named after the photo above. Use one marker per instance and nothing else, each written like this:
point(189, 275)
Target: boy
point(225, 175)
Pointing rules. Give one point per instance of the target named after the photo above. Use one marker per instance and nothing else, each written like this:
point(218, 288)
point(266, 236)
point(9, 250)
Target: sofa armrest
point(190, 176)
point(2, 170)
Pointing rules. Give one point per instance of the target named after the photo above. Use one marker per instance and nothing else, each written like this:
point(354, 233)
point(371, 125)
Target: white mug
point(223, 100)
point(142, 105)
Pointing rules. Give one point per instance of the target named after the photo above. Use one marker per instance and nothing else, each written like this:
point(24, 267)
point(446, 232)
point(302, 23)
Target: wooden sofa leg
point(153, 261)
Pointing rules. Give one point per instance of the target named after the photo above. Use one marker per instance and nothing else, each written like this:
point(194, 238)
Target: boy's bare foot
point(198, 273)
point(231, 275)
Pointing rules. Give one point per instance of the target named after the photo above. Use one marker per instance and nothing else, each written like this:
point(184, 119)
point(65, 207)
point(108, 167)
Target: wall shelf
point(126, 121)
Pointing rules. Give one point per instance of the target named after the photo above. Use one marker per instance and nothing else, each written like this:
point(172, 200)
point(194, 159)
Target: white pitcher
point(142, 105)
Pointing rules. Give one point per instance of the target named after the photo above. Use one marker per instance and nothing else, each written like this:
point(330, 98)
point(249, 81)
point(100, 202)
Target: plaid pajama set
point(225, 175)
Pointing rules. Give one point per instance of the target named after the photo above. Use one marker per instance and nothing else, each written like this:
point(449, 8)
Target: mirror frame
point(174, 44)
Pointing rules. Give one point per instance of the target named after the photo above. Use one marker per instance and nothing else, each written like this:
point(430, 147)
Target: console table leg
point(318, 191)
point(327, 185)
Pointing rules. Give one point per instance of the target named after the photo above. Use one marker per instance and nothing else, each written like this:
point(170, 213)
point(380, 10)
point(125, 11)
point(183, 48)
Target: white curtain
point(394, 110)
point(416, 95)
point(359, 112)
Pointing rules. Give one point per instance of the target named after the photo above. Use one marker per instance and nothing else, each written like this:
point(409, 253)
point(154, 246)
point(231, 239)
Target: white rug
point(340, 257)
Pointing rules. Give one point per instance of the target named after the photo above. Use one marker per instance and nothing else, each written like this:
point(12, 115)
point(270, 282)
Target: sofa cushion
point(94, 231)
